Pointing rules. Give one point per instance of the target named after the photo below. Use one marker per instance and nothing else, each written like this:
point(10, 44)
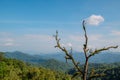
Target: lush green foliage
point(56, 65)
point(111, 71)
point(38, 60)
point(11, 69)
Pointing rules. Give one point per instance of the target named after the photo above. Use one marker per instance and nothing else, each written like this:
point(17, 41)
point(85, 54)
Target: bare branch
point(85, 49)
point(93, 74)
point(97, 51)
point(68, 55)
point(96, 76)
point(76, 74)
point(86, 39)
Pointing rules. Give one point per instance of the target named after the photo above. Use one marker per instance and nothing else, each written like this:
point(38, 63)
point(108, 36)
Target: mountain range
point(57, 62)
point(39, 60)
point(104, 57)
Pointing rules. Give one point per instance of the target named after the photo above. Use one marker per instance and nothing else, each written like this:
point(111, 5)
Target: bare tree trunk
point(85, 69)
point(83, 73)
point(85, 52)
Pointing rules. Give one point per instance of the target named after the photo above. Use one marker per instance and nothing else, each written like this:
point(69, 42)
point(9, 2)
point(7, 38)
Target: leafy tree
point(1, 56)
point(12, 69)
point(88, 53)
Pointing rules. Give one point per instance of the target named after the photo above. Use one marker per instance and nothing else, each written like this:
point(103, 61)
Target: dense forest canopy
point(13, 69)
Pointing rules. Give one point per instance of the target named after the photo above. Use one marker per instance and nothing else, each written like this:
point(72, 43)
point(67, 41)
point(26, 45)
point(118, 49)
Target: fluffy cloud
point(94, 20)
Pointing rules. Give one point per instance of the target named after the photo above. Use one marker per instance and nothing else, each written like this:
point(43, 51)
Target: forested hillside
point(50, 69)
point(109, 71)
point(12, 69)
point(50, 63)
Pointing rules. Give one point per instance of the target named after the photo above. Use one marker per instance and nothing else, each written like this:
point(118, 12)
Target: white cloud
point(39, 43)
point(28, 42)
point(92, 37)
point(45, 43)
point(76, 38)
point(38, 37)
point(69, 44)
point(63, 45)
point(8, 44)
point(94, 41)
point(95, 37)
point(94, 20)
point(116, 33)
point(9, 40)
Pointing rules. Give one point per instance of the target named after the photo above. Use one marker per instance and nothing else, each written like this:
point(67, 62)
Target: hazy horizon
point(29, 25)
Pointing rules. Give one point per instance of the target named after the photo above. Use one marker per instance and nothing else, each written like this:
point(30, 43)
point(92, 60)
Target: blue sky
point(28, 25)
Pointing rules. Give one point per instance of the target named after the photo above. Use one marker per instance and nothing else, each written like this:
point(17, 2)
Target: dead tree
point(88, 54)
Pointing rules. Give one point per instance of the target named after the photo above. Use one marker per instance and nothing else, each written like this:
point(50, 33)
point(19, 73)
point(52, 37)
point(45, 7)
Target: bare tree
point(88, 54)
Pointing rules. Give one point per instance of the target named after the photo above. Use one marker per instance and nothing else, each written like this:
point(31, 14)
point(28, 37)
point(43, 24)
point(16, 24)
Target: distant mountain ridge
point(104, 57)
point(24, 57)
point(112, 71)
point(39, 60)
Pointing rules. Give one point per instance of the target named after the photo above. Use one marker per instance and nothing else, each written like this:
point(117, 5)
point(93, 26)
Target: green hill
point(12, 69)
point(39, 61)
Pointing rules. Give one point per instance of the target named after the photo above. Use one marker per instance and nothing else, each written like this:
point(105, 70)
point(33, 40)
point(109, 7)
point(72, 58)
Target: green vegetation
point(39, 61)
point(109, 71)
point(55, 65)
point(12, 69)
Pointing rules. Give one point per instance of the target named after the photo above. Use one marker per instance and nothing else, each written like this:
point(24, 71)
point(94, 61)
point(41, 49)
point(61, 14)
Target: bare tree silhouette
point(83, 73)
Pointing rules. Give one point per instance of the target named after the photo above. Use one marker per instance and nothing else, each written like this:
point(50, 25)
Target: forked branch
point(84, 72)
point(68, 55)
point(102, 49)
